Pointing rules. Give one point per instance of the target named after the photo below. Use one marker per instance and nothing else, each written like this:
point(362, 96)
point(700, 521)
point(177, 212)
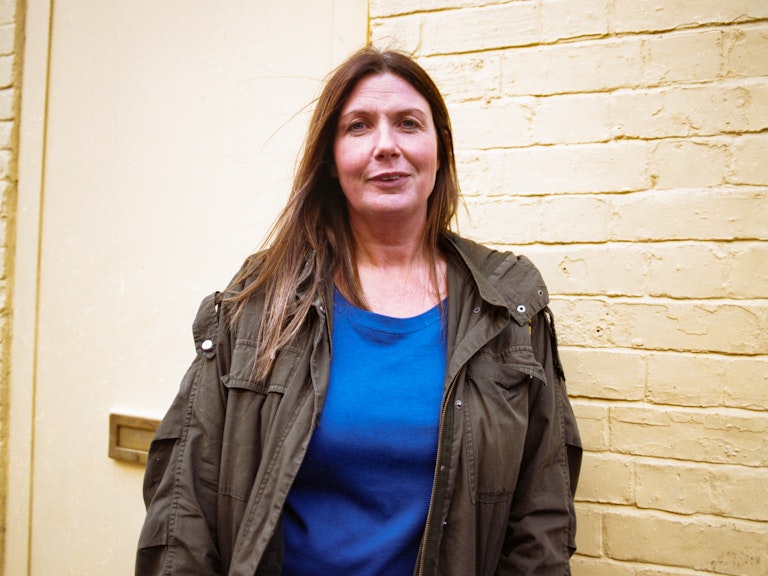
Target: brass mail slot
point(130, 437)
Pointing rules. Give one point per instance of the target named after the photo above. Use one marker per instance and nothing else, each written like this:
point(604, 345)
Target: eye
point(356, 126)
point(410, 124)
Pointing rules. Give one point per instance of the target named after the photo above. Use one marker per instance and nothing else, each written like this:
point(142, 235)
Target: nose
point(386, 143)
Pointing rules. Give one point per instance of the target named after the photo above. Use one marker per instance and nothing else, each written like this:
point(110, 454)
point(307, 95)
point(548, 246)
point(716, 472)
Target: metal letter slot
point(130, 437)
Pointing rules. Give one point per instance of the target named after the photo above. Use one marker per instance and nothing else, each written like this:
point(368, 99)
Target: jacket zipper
point(430, 510)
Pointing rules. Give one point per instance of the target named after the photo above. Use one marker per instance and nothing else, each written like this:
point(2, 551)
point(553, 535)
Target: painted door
point(157, 144)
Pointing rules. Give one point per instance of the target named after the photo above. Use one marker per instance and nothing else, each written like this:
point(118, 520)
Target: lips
point(389, 176)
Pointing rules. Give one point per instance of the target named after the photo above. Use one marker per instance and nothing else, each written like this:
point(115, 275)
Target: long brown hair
point(311, 237)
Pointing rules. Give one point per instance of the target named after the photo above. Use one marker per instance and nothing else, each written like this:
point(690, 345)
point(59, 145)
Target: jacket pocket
point(153, 539)
point(252, 407)
point(496, 420)
point(241, 373)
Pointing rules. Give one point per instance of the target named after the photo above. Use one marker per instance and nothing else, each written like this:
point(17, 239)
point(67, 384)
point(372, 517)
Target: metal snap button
point(521, 309)
point(206, 345)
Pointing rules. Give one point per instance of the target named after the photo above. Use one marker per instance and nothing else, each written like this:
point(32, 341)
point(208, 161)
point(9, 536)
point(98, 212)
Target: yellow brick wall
point(623, 146)
point(10, 41)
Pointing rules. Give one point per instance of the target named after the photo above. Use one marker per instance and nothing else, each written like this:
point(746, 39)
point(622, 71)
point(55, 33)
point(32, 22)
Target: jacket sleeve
point(541, 531)
point(181, 479)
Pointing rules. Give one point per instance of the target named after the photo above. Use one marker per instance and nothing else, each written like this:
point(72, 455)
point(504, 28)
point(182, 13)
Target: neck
point(391, 253)
point(390, 242)
point(398, 274)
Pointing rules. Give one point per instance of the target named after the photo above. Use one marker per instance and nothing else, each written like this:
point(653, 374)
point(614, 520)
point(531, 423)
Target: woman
point(372, 394)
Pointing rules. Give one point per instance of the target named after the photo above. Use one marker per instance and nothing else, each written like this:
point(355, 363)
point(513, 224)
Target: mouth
point(389, 177)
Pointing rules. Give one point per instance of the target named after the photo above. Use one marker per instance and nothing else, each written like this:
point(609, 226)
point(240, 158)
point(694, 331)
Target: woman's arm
point(541, 531)
point(181, 479)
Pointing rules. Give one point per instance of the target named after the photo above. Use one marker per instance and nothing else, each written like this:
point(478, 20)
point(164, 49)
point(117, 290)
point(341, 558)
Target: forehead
point(388, 91)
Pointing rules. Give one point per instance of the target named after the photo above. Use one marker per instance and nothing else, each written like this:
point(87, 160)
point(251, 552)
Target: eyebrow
point(401, 112)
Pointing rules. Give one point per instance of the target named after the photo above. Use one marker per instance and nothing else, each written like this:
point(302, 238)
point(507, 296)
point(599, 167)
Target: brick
point(481, 220)
point(660, 15)
point(6, 71)
point(457, 31)
point(723, 436)
point(605, 374)
point(589, 530)
point(689, 163)
point(747, 272)
point(401, 33)
point(6, 160)
point(486, 28)
point(723, 213)
point(6, 133)
point(697, 270)
point(583, 566)
point(691, 111)
point(7, 11)
point(661, 269)
point(619, 269)
point(496, 124)
point(688, 379)
point(686, 488)
point(684, 326)
point(588, 66)
point(745, 385)
point(468, 77)
point(476, 170)
point(564, 19)
point(582, 218)
point(7, 101)
point(659, 571)
point(593, 424)
point(572, 119)
point(606, 479)
point(578, 168)
point(383, 8)
point(745, 50)
point(535, 219)
point(7, 39)
point(7, 192)
point(720, 546)
point(687, 56)
point(749, 160)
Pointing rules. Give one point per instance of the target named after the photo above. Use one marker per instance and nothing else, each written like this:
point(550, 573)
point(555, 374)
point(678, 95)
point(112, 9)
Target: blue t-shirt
point(360, 501)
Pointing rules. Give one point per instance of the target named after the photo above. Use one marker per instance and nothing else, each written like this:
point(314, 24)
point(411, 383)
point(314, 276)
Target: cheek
point(431, 159)
point(349, 161)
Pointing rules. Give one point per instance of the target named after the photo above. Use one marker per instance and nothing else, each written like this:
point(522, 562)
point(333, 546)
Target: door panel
point(171, 131)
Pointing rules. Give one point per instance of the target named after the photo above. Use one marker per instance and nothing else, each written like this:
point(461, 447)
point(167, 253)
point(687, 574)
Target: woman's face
point(385, 151)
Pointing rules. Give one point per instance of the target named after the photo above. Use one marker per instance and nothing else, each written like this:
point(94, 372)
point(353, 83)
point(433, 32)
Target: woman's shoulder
point(491, 262)
point(247, 273)
point(514, 277)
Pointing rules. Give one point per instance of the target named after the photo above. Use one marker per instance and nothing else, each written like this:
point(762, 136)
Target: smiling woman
point(375, 395)
point(385, 154)
point(386, 160)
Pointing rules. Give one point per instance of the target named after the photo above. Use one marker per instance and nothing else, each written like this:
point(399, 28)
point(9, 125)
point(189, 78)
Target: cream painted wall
point(157, 144)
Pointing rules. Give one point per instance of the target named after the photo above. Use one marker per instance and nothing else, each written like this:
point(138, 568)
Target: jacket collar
point(502, 278)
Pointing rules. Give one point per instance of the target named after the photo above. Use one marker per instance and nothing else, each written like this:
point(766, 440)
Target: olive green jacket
point(229, 448)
